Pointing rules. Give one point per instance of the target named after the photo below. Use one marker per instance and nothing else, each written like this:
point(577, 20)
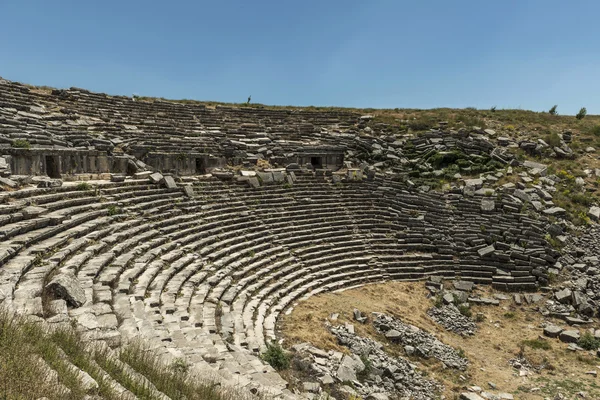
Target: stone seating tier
point(206, 277)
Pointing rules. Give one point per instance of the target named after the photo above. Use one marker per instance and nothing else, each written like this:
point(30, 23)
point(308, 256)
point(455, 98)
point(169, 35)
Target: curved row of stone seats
point(60, 310)
point(67, 117)
point(518, 242)
point(206, 278)
point(323, 262)
point(26, 249)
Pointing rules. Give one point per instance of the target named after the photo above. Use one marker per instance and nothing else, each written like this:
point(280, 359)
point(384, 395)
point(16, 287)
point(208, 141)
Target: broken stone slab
point(465, 286)
point(66, 286)
point(448, 298)
point(552, 331)
point(265, 177)
point(484, 300)
point(326, 379)
point(532, 298)
point(521, 195)
point(33, 211)
point(474, 183)
point(576, 321)
point(392, 334)
point(311, 387)
point(156, 177)
point(142, 175)
point(570, 336)
point(359, 317)
point(488, 204)
point(169, 182)
point(555, 211)
point(253, 182)
point(8, 182)
point(487, 250)
point(518, 300)
point(348, 368)
point(563, 296)
point(188, 191)
point(117, 178)
point(594, 213)
point(48, 183)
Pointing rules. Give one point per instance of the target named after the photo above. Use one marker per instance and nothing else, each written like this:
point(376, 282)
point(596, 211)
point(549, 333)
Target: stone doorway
point(316, 162)
point(200, 166)
point(52, 167)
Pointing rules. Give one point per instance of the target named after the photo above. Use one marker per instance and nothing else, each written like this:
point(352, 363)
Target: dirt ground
point(499, 338)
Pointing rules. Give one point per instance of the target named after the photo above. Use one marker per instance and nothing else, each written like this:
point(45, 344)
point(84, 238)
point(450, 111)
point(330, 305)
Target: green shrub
point(465, 310)
point(584, 199)
point(553, 139)
point(510, 315)
point(588, 342)
point(364, 374)
point(113, 210)
point(595, 130)
point(553, 110)
point(537, 344)
point(276, 357)
point(83, 186)
point(582, 113)
point(21, 144)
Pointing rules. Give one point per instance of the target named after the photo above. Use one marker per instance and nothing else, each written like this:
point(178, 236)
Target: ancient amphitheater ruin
point(197, 228)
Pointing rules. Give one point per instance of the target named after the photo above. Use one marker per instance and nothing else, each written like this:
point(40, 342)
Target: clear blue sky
point(384, 54)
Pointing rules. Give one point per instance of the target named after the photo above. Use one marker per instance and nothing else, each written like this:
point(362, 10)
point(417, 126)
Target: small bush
point(364, 374)
point(276, 357)
point(113, 210)
point(595, 130)
point(588, 342)
point(537, 344)
point(510, 315)
point(83, 186)
point(584, 199)
point(553, 110)
point(465, 310)
point(582, 113)
point(553, 139)
point(493, 109)
point(180, 366)
point(21, 144)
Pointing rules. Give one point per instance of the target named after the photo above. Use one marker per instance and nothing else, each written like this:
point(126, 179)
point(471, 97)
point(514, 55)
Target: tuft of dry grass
point(37, 362)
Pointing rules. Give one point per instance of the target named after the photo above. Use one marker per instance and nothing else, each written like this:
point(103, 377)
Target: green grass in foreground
point(35, 363)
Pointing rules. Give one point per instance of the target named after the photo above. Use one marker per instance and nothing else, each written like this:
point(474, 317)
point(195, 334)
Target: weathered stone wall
point(64, 162)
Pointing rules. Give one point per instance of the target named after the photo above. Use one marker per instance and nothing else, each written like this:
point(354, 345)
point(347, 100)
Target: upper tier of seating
point(77, 118)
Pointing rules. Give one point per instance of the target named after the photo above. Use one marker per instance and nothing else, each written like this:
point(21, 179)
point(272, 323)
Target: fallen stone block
point(486, 250)
point(552, 331)
point(570, 336)
point(66, 286)
point(156, 177)
point(169, 182)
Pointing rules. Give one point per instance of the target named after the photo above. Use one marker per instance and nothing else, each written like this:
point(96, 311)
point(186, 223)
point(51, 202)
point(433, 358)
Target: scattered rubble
point(451, 319)
point(416, 341)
